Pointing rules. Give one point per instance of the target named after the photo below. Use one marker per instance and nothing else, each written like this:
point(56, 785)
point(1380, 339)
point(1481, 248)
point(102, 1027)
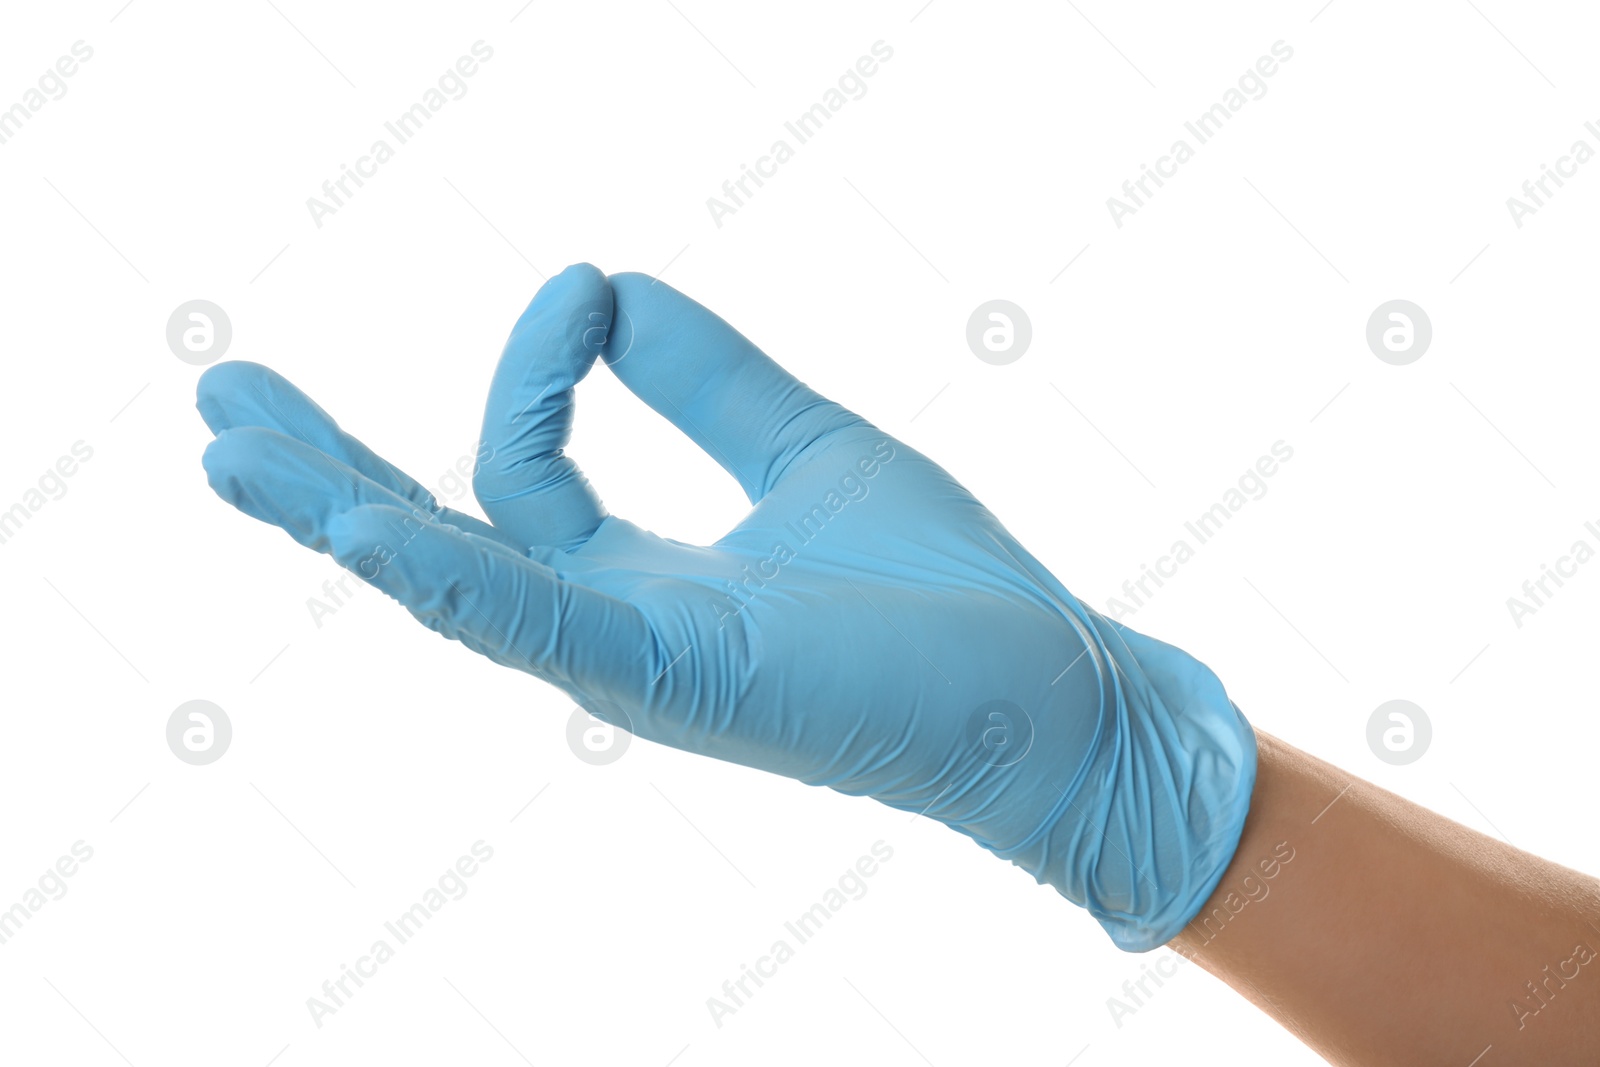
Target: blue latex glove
point(868, 626)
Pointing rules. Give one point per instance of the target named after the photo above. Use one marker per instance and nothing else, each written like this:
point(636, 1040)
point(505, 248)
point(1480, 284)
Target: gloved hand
point(868, 626)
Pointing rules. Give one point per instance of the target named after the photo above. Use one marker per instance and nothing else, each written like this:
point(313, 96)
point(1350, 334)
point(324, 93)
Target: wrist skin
point(1396, 936)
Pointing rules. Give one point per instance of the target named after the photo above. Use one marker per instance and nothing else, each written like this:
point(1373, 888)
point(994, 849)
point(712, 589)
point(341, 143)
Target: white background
point(368, 754)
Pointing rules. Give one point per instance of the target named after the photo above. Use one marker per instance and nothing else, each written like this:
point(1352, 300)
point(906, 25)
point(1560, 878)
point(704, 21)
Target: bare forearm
point(1392, 935)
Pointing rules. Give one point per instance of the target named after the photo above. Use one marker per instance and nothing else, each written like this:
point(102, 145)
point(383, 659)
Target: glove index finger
point(729, 397)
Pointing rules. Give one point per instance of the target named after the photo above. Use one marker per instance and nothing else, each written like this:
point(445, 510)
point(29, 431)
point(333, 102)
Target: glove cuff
point(1145, 831)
